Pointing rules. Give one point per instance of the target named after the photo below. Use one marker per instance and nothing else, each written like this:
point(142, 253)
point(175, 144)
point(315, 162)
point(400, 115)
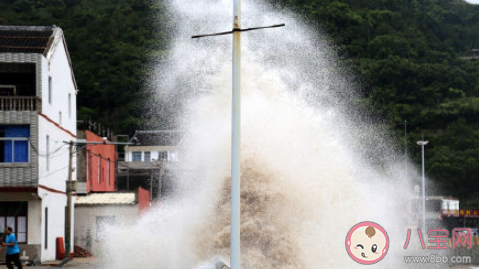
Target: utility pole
point(71, 186)
point(235, 258)
point(422, 143)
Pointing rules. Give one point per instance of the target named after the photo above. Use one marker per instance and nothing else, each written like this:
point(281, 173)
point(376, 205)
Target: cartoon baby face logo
point(367, 242)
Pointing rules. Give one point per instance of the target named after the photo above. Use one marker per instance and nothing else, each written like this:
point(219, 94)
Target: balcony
point(19, 103)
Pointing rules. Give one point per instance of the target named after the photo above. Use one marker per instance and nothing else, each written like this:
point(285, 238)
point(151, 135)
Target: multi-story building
point(37, 114)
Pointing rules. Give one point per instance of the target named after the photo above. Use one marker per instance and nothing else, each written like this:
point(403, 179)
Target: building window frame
point(162, 155)
point(11, 214)
point(147, 157)
point(15, 141)
point(136, 156)
point(48, 153)
point(69, 105)
point(46, 228)
point(50, 90)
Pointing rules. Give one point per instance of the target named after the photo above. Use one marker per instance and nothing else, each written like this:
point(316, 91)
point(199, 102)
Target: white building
point(150, 162)
point(154, 145)
point(37, 113)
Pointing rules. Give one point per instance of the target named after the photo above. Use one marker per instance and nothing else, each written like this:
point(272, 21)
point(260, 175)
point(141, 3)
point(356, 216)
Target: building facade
point(37, 114)
point(96, 212)
point(96, 164)
point(150, 162)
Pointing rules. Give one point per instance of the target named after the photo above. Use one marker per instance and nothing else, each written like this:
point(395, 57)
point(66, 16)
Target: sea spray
point(313, 162)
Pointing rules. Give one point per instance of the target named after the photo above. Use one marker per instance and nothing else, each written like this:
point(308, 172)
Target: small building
point(154, 145)
point(474, 56)
point(96, 211)
point(441, 206)
point(148, 164)
point(37, 113)
point(96, 164)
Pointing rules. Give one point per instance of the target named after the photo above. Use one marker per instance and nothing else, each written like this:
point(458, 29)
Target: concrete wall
point(58, 68)
point(34, 221)
point(144, 201)
point(88, 230)
point(101, 161)
point(56, 203)
point(54, 173)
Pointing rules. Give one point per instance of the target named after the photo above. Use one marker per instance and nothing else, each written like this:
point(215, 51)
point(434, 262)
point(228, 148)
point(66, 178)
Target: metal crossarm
point(240, 30)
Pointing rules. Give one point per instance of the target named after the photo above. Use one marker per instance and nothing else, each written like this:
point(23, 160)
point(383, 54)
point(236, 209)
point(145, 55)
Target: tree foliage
point(110, 43)
point(406, 52)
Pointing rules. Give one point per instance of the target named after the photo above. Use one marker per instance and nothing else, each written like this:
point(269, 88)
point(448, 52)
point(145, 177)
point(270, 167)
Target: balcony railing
point(19, 103)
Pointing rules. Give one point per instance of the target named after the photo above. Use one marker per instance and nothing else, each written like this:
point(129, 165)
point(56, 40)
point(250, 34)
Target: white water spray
point(313, 165)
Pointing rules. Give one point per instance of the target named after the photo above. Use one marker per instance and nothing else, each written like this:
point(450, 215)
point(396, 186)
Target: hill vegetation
point(407, 54)
point(410, 57)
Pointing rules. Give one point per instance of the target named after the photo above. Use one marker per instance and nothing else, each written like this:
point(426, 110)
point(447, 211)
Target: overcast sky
point(472, 1)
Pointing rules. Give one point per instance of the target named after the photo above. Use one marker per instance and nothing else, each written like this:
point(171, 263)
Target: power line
point(48, 154)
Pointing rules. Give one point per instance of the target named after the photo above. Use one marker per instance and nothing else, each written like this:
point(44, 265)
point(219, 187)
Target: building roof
point(113, 198)
point(33, 39)
point(441, 198)
point(158, 137)
point(27, 39)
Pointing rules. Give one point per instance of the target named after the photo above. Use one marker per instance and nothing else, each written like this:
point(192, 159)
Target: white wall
point(86, 219)
point(59, 70)
point(34, 221)
point(56, 203)
point(53, 175)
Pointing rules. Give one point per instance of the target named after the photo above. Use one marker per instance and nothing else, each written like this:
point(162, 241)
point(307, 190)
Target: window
point(60, 118)
point(162, 155)
point(147, 156)
point(46, 227)
point(14, 214)
point(136, 156)
point(99, 169)
point(14, 143)
point(108, 171)
point(69, 105)
point(48, 152)
point(50, 90)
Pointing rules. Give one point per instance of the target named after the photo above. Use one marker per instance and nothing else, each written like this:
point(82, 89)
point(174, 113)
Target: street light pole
point(422, 143)
point(235, 255)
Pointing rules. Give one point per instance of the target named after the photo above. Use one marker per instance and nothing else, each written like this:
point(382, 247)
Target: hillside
point(407, 54)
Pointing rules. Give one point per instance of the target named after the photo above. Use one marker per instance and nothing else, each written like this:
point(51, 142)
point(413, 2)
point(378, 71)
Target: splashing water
point(313, 163)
